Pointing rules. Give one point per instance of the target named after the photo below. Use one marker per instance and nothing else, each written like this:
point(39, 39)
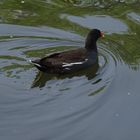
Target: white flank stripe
point(75, 63)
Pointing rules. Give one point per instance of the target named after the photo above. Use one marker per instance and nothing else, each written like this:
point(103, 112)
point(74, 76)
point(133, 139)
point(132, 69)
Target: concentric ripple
point(34, 98)
point(23, 77)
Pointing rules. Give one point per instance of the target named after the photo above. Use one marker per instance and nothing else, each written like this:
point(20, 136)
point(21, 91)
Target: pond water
point(100, 104)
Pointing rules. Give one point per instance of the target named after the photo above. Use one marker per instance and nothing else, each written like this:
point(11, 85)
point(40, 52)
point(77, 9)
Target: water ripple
point(38, 98)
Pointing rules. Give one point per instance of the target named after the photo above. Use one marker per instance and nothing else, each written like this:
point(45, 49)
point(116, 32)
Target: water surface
point(97, 103)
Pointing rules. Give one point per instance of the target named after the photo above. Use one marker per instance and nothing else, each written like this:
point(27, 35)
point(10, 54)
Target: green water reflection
point(48, 13)
point(99, 103)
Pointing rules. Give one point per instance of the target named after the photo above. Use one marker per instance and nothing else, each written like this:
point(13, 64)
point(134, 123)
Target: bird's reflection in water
point(42, 78)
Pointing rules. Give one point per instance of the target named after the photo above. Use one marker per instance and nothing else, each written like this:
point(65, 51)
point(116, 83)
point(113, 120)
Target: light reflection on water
point(105, 23)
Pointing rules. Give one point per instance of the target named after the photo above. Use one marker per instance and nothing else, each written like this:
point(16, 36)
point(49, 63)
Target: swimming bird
point(71, 60)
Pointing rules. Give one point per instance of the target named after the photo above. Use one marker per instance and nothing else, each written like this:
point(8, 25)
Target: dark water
point(94, 104)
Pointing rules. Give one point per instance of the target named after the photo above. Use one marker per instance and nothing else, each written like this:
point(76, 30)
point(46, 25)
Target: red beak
point(102, 34)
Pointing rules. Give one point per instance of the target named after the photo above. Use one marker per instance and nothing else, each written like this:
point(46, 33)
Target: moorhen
point(72, 60)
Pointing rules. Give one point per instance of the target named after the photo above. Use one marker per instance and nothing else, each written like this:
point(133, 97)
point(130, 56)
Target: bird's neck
point(91, 46)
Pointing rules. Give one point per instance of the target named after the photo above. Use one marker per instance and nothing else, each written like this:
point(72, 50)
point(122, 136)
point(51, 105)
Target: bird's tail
point(35, 62)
